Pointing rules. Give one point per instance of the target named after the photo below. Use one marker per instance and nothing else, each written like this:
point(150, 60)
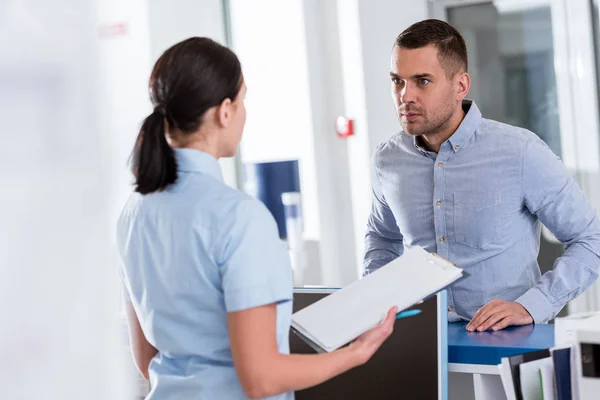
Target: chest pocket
point(481, 218)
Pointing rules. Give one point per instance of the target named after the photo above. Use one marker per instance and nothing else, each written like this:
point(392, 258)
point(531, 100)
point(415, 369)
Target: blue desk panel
point(489, 347)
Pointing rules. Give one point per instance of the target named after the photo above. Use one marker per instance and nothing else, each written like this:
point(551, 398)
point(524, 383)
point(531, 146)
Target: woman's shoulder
point(220, 209)
point(242, 207)
point(224, 208)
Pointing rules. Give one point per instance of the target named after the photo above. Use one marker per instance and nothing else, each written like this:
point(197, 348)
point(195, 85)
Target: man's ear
point(463, 85)
point(225, 112)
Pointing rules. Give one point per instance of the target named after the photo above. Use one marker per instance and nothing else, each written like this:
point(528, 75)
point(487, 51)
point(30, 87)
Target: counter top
point(489, 347)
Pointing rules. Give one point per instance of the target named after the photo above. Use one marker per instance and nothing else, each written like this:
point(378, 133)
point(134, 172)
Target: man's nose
point(407, 94)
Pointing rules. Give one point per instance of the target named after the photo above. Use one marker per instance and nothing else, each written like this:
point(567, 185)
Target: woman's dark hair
point(187, 80)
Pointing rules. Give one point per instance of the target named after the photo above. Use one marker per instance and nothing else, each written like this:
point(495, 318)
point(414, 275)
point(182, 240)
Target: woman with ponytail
point(208, 283)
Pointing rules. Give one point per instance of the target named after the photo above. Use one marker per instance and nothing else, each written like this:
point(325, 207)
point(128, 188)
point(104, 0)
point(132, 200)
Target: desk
point(411, 364)
point(479, 353)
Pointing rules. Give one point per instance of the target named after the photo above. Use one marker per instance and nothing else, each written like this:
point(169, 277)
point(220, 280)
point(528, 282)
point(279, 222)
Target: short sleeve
point(255, 266)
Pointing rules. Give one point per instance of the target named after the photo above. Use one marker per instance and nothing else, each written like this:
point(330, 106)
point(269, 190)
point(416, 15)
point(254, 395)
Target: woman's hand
point(369, 342)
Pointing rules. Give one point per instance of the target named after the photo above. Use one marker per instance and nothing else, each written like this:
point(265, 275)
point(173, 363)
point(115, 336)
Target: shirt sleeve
point(383, 240)
point(124, 291)
point(255, 266)
point(121, 265)
point(554, 197)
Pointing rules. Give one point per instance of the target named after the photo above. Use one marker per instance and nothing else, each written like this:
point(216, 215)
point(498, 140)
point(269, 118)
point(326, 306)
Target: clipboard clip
point(444, 263)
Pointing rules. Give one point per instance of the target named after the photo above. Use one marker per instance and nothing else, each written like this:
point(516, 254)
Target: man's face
point(425, 98)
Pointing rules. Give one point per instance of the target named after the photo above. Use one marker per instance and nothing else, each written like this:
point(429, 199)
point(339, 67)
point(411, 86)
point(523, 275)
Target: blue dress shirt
point(480, 203)
point(192, 253)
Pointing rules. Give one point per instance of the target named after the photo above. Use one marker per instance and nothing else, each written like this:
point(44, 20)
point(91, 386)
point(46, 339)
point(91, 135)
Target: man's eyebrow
point(423, 75)
point(416, 76)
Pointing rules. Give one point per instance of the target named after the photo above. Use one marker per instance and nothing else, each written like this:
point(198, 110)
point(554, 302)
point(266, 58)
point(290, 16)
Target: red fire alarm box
point(344, 127)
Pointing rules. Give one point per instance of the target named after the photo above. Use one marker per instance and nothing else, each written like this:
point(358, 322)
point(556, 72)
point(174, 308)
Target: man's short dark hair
point(451, 47)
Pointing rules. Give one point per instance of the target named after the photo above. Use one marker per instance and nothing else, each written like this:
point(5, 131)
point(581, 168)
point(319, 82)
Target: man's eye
point(423, 81)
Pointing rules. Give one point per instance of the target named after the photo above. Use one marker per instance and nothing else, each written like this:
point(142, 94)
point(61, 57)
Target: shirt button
point(442, 239)
point(440, 164)
point(438, 203)
point(450, 309)
point(456, 147)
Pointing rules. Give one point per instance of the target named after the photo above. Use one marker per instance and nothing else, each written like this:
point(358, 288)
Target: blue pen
point(408, 313)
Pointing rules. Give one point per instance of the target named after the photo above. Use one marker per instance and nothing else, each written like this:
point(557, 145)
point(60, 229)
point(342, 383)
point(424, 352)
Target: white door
point(533, 65)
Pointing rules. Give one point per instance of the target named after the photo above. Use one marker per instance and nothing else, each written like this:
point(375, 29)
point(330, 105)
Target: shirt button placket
point(438, 211)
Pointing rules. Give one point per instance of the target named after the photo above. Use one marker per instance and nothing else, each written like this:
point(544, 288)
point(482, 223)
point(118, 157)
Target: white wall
point(59, 338)
point(172, 21)
point(273, 55)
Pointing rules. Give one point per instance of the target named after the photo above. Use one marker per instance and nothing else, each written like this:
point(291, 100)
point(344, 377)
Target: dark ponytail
point(187, 80)
point(154, 160)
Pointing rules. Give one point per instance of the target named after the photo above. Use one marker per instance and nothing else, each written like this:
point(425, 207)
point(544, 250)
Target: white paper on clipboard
point(341, 317)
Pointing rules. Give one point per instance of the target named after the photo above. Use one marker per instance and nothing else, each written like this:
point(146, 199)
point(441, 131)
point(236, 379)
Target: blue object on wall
point(267, 181)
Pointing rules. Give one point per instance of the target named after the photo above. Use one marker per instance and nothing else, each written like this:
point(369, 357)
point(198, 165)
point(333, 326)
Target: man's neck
point(433, 141)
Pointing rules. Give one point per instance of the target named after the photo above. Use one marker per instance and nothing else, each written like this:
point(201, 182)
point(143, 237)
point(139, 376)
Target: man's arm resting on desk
point(553, 196)
point(383, 240)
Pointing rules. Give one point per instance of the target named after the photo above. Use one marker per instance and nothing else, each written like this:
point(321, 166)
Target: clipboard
point(341, 317)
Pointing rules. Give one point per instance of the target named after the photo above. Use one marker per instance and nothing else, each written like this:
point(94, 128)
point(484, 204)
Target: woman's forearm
point(288, 373)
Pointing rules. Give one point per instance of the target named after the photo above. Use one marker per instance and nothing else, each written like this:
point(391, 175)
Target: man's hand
point(498, 314)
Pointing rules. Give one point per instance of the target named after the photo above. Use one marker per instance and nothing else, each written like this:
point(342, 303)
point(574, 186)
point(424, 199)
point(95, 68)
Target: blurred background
point(73, 93)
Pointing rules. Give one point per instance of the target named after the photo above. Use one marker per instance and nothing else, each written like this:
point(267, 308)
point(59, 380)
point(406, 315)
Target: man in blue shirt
point(476, 192)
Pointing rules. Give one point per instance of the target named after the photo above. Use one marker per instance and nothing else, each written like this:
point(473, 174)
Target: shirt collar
point(467, 127)
point(465, 130)
point(192, 160)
